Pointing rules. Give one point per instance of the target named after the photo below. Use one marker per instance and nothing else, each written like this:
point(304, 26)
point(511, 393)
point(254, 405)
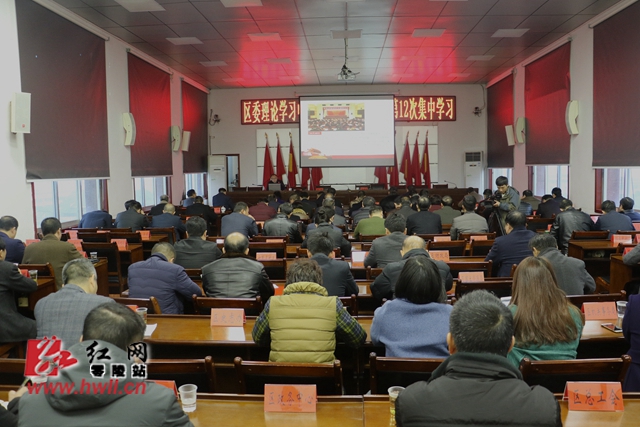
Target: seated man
point(13, 325)
point(239, 222)
point(424, 221)
point(275, 180)
point(96, 219)
point(303, 325)
point(191, 198)
point(363, 213)
point(159, 277)
point(8, 231)
point(338, 220)
point(199, 208)
point(50, 249)
point(132, 218)
point(336, 275)
point(157, 209)
point(195, 251)
point(386, 249)
point(324, 217)
point(281, 225)
point(372, 225)
point(612, 221)
point(626, 208)
point(568, 221)
point(236, 274)
point(447, 213)
point(513, 247)
point(403, 207)
point(469, 221)
point(309, 206)
point(557, 194)
point(262, 211)
point(528, 197)
point(298, 209)
point(108, 331)
point(62, 313)
point(548, 207)
point(169, 219)
point(570, 272)
point(222, 200)
point(385, 284)
point(477, 385)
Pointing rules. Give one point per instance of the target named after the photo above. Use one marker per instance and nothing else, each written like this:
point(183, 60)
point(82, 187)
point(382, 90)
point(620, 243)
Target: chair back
point(169, 232)
point(538, 224)
point(269, 238)
point(578, 300)
point(590, 235)
point(372, 273)
point(44, 270)
point(151, 303)
point(457, 266)
point(94, 236)
point(369, 237)
point(431, 237)
point(12, 371)
point(280, 248)
point(553, 374)
point(200, 372)
point(467, 236)
point(499, 288)
point(252, 376)
point(251, 306)
point(480, 247)
point(386, 372)
point(351, 304)
point(112, 254)
point(455, 247)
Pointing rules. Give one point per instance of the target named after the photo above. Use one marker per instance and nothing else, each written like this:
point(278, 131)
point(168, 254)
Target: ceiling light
point(459, 74)
point(241, 3)
point(179, 41)
point(232, 79)
point(517, 32)
point(427, 32)
point(480, 58)
point(214, 63)
point(264, 37)
point(140, 5)
point(279, 60)
point(346, 34)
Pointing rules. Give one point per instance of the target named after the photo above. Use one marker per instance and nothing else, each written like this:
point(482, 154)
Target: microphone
point(449, 182)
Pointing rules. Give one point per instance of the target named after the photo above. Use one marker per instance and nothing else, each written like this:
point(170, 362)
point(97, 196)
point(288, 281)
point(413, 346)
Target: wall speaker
point(521, 130)
point(509, 131)
point(129, 125)
point(175, 138)
point(571, 117)
point(21, 112)
point(186, 136)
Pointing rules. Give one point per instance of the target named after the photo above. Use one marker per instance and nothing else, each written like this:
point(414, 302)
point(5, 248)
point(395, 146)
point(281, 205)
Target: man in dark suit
point(626, 208)
point(132, 218)
point(281, 225)
point(221, 199)
point(612, 221)
point(548, 207)
point(199, 208)
point(336, 275)
point(51, 250)
point(239, 221)
point(169, 219)
point(557, 194)
point(8, 231)
point(195, 251)
point(308, 206)
point(424, 222)
point(157, 209)
point(323, 224)
point(13, 326)
point(513, 247)
point(96, 219)
point(387, 203)
point(404, 207)
point(386, 249)
point(568, 221)
point(191, 197)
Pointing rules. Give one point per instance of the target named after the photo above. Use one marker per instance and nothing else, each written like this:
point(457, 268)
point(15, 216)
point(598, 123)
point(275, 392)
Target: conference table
point(621, 273)
point(595, 254)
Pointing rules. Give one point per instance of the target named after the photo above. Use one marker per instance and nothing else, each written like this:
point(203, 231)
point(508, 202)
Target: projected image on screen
point(336, 131)
point(332, 117)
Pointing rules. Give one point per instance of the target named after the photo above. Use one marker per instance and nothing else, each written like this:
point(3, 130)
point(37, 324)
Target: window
point(195, 181)
point(619, 183)
point(67, 200)
point(546, 178)
point(494, 173)
point(147, 190)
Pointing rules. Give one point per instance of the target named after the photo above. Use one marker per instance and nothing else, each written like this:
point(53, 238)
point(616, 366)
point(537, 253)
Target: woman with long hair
point(416, 322)
point(546, 325)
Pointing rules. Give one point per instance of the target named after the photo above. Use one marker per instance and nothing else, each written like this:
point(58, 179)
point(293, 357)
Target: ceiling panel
point(516, 7)
point(123, 17)
point(95, 17)
point(203, 31)
point(179, 13)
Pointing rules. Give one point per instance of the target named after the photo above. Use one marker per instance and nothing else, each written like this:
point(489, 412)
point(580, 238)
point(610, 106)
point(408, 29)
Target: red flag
point(426, 172)
point(415, 162)
point(405, 163)
point(381, 174)
point(316, 177)
point(268, 165)
point(306, 174)
point(280, 169)
point(394, 179)
point(292, 167)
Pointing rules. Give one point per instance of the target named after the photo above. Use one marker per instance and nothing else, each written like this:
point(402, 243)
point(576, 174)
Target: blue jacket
point(167, 220)
point(236, 222)
point(633, 215)
point(95, 219)
point(15, 248)
point(156, 277)
point(614, 221)
point(510, 249)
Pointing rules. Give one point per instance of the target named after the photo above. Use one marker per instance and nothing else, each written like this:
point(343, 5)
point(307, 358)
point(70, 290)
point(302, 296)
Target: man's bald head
point(169, 208)
point(236, 243)
point(413, 242)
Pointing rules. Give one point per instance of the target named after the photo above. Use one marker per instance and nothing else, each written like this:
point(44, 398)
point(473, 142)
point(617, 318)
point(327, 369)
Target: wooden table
point(621, 273)
point(585, 249)
point(148, 244)
point(46, 286)
point(131, 255)
point(102, 271)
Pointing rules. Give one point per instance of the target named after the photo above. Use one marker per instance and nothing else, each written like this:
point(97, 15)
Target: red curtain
point(616, 95)
point(150, 104)
point(425, 169)
point(547, 91)
point(267, 166)
point(499, 115)
point(195, 120)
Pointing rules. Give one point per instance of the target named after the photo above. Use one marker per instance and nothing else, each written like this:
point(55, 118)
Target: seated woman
point(546, 325)
point(416, 323)
point(631, 331)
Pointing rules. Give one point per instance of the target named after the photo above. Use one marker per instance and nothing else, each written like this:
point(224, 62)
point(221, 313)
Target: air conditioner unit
point(473, 170)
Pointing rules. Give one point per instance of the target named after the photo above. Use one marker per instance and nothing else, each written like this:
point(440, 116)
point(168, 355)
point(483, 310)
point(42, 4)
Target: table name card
point(600, 310)
point(227, 317)
point(278, 290)
point(290, 398)
point(472, 238)
point(588, 396)
point(441, 238)
point(627, 250)
point(357, 258)
point(123, 245)
point(471, 276)
point(30, 241)
point(274, 240)
point(616, 239)
point(440, 255)
point(145, 234)
point(637, 238)
point(262, 256)
point(636, 226)
point(73, 234)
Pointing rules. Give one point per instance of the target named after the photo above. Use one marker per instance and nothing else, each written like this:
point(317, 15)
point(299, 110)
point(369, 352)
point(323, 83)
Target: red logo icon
point(45, 358)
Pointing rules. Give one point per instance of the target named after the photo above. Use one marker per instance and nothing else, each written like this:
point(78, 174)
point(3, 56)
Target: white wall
point(467, 133)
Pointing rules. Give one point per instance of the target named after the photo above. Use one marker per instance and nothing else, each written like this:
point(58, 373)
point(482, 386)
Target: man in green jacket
point(302, 325)
point(374, 225)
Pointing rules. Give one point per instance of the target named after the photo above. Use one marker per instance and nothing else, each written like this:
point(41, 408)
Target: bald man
point(169, 219)
point(414, 246)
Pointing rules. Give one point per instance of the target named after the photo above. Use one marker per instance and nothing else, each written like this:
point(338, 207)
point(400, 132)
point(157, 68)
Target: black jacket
point(281, 225)
point(424, 222)
point(336, 276)
point(470, 389)
point(336, 235)
point(236, 276)
point(131, 219)
point(207, 213)
point(195, 252)
point(385, 284)
point(13, 325)
point(548, 209)
point(566, 223)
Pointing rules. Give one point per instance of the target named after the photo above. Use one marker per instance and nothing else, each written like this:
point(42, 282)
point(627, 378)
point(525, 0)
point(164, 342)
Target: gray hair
point(78, 270)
